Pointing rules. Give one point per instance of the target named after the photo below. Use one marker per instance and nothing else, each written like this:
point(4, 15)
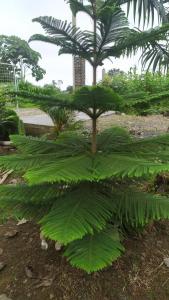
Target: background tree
point(111, 35)
point(16, 51)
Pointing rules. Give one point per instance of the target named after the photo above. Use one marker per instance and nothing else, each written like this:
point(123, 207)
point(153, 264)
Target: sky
point(16, 19)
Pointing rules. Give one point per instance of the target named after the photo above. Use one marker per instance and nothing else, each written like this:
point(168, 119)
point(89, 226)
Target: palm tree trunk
point(94, 120)
point(94, 75)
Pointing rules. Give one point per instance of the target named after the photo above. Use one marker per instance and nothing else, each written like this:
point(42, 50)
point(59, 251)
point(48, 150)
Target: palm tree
point(111, 35)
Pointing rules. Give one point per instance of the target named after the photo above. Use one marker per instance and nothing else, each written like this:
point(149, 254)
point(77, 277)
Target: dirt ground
point(32, 273)
point(137, 125)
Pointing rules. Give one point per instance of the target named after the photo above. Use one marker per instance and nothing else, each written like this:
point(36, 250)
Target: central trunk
point(94, 135)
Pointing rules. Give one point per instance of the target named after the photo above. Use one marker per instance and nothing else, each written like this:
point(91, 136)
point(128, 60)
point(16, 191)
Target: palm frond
point(145, 10)
point(70, 38)
point(135, 40)
point(77, 6)
point(156, 56)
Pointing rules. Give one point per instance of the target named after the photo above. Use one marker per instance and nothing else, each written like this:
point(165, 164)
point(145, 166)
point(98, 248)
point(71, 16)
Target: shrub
point(81, 189)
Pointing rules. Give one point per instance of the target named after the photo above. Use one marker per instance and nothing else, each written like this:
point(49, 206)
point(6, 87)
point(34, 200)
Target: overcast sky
point(16, 19)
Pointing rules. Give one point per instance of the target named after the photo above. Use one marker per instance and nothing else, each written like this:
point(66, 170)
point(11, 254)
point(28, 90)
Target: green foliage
point(9, 124)
point(80, 198)
point(113, 36)
point(95, 252)
point(75, 195)
point(9, 121)
point(16, 51)
point(96, 100)
point(143, 93)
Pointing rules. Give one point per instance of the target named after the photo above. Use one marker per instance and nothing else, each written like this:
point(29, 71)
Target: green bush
point(81, 189)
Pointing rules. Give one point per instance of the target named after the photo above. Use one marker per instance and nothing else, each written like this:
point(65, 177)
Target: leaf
point(95, 252)
point(138, 208)
point(36, 194)
point(83, 210)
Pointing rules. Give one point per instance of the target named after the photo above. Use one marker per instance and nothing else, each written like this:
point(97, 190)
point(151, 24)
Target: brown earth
point(32, 273)
point(137, 125)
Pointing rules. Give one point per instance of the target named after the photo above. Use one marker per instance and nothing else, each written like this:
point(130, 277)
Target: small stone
point(29, 272)
point(4, 297)
point(1, 251)
point(166, 261)
point(29, 295)
point(10, 234)
point(44, 245)
point(58, 246)
point(2, 266)
point(51, 296)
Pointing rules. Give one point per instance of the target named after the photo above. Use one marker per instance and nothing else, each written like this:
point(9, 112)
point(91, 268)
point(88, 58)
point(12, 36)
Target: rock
point(29, 272)
point(2, 266)
point(58, 246)
point(166, 261)
point(46, 282)
point(51, 296)
point(44, 245)
point(1, 251)
point(10, 234)
point(4, 297)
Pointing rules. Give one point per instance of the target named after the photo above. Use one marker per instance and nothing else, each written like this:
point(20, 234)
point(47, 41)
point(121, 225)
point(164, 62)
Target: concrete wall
point(37, 130)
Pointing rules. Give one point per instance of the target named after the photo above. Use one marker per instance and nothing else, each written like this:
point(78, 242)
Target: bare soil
point(32, 273)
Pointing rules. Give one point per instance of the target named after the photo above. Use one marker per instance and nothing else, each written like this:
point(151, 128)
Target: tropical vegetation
point(17, 52)
point(84, 190)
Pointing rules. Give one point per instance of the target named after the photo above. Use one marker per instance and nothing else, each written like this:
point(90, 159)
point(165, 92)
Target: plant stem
point(94, 134)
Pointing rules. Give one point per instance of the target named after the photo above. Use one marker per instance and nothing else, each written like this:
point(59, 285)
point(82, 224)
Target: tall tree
point(111, 35)
point(17, 52)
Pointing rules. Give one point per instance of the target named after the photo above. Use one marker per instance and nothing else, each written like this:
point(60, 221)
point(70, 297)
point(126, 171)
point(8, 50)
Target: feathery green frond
point(138, 208)
point(113, 138)
point(67, 144)
point(22, 193)
point(95, 252)
point(96, 100)
point(82, 211)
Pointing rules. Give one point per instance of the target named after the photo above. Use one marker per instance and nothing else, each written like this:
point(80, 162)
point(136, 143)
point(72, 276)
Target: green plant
point(9, 124)
point(111, 35)
point(9, 121)
point(81, 192)
point(17, 52)
point(83, 189)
